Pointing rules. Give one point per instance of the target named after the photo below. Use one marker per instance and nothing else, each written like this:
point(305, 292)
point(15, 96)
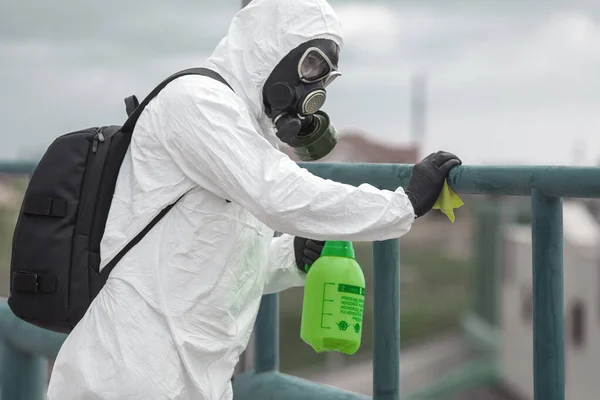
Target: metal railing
point(545, 185)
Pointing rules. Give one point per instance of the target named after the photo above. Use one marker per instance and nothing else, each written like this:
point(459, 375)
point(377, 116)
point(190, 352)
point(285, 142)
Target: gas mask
point(294, 94)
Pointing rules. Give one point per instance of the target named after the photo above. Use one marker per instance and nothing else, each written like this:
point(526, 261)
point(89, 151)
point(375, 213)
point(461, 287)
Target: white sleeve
point(208, 132)
point(282, 272)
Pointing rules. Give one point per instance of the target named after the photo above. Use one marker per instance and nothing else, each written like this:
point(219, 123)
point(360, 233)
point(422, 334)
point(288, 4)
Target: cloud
point(132, 30)
point(559, 52)
point(512, 72)
point(364, 36)
point(65, 68)
point(58, 96)
point(523, 79)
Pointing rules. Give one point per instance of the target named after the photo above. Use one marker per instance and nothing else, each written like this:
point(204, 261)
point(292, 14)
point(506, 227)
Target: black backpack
point(56, 245)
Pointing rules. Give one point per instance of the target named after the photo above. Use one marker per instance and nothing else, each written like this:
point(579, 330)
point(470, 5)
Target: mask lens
point(314, 66)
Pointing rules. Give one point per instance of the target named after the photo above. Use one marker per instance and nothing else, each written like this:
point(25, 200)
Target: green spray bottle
point(334, 293)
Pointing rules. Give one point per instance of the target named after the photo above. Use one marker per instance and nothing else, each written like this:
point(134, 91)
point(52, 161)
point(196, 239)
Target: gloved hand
point(307, 251)
point(427, 180)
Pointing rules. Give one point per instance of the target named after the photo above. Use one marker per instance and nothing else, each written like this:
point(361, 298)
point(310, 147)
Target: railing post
point(386, 322)
point(486, 251)
point(25, 348)
point(548, 312)
point(23, 374)
point(266, 354)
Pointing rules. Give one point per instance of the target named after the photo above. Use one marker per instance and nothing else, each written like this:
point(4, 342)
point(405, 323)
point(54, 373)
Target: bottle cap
point(338, 248)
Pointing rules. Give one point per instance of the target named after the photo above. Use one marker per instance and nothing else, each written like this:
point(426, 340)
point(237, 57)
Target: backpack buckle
point(31, 282)
point(25, 282)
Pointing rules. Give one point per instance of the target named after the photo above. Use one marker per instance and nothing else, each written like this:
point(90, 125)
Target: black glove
point(427, 180)
point(307, 251)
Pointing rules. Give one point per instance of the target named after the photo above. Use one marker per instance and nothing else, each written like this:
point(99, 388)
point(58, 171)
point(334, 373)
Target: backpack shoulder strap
point(135, 110)
point(112, 263)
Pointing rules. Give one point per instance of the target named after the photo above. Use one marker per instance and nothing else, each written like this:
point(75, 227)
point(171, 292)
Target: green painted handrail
point(555, 181)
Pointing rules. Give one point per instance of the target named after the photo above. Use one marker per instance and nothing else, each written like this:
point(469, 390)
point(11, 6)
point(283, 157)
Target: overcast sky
point(509, 81)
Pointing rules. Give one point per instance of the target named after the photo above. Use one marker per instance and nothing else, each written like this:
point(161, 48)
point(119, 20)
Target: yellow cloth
point(448, 201)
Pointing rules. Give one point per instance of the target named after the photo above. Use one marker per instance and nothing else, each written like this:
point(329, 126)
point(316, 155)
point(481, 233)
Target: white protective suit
point(179, 308)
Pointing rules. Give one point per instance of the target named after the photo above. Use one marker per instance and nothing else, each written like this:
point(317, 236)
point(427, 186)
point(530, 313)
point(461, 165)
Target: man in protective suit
point(178, 309)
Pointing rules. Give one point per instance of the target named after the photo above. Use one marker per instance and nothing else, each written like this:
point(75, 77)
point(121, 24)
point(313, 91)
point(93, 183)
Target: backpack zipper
point(98, 138)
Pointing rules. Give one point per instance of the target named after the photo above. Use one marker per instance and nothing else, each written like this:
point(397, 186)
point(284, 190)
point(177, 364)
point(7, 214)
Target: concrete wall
point(582, 306)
